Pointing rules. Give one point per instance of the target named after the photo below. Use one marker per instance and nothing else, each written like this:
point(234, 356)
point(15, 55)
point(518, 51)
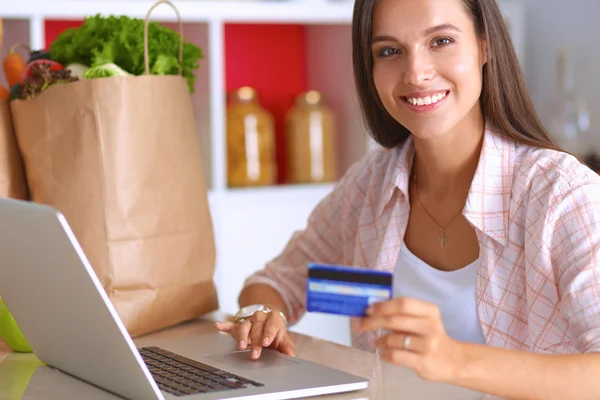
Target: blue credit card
point(349, 291)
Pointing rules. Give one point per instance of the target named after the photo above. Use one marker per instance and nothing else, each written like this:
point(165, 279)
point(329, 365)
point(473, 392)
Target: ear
point(483, 50)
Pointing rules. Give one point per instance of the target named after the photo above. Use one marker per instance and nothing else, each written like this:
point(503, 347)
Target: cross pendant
point(442, 239)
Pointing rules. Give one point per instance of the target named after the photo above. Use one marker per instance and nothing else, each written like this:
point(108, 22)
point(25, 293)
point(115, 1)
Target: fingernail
point(242, 344)
point(254, 354)
point(266, 341)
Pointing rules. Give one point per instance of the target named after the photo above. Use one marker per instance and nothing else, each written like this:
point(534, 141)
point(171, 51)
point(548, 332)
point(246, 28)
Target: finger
point(405, 306)
point(287, 346)
point(398, 323)
point(224, 326)
point(256, 334)
point(401, 357)
point(273, 326)
point(241, 334)
point(399, 341)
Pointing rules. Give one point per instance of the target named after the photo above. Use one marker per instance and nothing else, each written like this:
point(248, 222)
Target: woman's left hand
point(417, 339)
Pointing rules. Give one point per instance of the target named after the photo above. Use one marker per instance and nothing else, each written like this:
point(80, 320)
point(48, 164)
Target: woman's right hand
point(258, 331)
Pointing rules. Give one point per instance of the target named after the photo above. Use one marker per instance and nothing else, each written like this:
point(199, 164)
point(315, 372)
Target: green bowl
point(10, 332)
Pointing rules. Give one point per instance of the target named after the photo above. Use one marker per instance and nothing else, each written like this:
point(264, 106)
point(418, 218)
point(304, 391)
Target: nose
point(419, 69)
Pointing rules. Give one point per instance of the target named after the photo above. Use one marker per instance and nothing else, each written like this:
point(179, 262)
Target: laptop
point(60, 305)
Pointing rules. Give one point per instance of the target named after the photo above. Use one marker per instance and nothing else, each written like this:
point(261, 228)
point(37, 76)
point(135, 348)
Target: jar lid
point(245, 94)
point(312, 97)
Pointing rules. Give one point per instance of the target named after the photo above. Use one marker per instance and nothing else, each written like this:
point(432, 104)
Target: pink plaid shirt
point(536, 213)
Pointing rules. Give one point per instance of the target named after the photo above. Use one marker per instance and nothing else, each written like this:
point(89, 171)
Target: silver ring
point(406, 342)
point(242, 320)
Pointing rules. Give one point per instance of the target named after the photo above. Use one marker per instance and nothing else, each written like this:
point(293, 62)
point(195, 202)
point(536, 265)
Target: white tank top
point(453, 292)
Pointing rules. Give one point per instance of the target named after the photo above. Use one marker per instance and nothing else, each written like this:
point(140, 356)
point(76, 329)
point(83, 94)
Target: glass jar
point(310, 140)
point(250, 141)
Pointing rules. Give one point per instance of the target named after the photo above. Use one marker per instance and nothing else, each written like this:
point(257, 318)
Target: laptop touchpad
point(241, 359)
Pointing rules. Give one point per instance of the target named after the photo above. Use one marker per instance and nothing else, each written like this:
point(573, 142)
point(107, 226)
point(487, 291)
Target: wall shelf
point(284, 11)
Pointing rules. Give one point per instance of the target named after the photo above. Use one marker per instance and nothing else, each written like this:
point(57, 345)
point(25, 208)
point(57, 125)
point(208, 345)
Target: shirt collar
point(398, 173)
point(488, 201)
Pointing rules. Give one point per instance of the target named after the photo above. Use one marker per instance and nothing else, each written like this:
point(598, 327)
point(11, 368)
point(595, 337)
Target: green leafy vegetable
point(103, 71)
point(120, 40)
point(15, 91)
point(164, 64)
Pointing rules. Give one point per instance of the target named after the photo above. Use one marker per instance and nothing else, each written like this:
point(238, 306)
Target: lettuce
point(120, 40)
point(104, 71)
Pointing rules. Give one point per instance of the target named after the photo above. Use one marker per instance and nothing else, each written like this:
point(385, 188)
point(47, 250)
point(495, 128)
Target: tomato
point(54, 66)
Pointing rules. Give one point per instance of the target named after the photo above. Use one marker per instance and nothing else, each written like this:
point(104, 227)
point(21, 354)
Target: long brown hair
point(505, 100)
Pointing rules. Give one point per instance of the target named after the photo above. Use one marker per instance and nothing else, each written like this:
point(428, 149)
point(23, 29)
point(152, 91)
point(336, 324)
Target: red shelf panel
point(53, 28)
point(271, 59)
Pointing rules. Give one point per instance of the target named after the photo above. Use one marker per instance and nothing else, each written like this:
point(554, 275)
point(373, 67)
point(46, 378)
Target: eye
point(441, 42)
point(388, 52)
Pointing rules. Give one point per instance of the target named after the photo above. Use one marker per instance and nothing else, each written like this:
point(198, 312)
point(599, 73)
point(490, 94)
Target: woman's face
point(427, 64)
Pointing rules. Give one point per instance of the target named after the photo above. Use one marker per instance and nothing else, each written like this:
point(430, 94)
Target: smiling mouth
point(427, 100)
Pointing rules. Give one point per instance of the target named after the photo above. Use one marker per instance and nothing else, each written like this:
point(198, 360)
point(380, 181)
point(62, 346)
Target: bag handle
point(16, 46)
point(146, 57)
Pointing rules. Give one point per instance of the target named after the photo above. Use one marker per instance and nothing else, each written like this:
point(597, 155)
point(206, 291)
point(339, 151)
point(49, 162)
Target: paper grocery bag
point(12, 176)
point(12, 185)
point(120, 158)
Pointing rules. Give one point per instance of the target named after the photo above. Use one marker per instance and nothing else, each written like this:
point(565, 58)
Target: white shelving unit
point(251, 225)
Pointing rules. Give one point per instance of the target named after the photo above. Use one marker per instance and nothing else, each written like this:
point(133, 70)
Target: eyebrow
point(442, 27)
point(427, 32)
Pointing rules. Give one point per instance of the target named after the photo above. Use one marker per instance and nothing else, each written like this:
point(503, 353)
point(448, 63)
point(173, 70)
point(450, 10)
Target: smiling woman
point(459, 53)
point(491, 231)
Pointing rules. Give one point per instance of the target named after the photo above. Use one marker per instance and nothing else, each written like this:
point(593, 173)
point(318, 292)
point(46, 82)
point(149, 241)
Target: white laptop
point(62, 309)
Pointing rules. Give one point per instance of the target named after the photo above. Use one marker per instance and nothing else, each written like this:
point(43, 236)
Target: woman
point(492, 233)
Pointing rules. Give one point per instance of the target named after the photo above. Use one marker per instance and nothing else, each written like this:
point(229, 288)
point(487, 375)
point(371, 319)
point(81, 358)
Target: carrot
point(4, 93)
point(14, 65)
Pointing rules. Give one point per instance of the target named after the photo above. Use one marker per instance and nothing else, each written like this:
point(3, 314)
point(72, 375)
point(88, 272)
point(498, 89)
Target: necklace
point(442, 239)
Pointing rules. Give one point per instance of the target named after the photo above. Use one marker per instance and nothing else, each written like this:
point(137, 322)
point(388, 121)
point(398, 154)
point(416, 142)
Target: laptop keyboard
point(181, 376)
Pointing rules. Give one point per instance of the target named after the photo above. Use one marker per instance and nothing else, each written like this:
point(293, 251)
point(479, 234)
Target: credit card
point(340, 290)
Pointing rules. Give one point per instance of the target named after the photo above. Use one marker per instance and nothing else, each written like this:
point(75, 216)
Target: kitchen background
point(549, 25)
point(283, 49)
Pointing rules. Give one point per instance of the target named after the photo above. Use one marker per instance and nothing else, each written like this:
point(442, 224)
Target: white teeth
point(426, 100)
